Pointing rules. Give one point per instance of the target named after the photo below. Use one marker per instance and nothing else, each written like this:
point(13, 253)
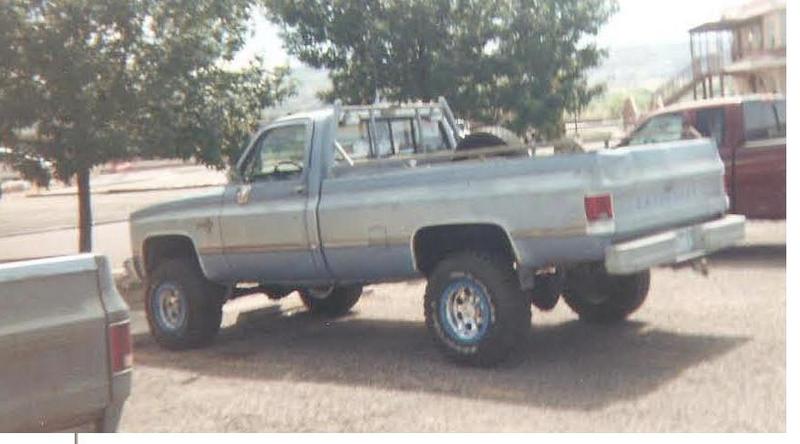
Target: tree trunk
point(84, 212)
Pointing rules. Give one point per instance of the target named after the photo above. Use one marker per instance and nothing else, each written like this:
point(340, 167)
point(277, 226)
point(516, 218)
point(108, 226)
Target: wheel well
point(158, 248)
point(431, 244)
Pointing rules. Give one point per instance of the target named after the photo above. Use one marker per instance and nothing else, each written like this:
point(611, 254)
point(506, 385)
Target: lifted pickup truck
point(328, 201)
point(65, 345)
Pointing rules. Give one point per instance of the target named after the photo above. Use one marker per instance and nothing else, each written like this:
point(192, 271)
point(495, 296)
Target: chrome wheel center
point(466, 310)
point(170, 306)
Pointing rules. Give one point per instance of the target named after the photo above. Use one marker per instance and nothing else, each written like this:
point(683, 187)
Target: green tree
point(91, 81)
point(518, 62)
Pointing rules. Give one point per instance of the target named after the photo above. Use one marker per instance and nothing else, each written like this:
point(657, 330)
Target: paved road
point(45, 225)
point(703, 354)
point(20, 214)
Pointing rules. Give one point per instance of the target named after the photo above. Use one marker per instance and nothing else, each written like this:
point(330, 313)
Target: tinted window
point(760, 121)
point(279, 154)
point(664, 128)
point(711, 123)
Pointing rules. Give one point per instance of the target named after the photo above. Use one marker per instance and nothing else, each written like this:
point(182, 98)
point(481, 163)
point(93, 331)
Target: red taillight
point(598, 207)
point(119, 337)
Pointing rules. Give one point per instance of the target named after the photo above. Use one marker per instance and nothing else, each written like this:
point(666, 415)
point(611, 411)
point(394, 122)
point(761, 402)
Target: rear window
point(390, 136)
point(402, 136)
point(663, 128)
point(431, 135)
point(761, 120)
point(354, 139)
point(383, 138)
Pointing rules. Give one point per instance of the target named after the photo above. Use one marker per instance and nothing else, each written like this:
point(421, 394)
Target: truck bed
point(539, 201)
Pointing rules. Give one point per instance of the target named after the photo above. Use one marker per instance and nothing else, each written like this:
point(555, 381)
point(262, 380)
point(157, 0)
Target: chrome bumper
point(674, 246)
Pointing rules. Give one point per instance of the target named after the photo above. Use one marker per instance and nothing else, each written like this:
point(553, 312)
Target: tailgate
point(52, 343)
point(662, 185)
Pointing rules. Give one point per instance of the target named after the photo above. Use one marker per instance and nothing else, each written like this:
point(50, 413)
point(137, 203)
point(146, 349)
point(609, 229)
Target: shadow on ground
point(752, 256)
point(567, 366)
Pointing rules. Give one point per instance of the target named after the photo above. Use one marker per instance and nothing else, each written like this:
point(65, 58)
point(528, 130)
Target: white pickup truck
point(325, 202)
point(65, 345)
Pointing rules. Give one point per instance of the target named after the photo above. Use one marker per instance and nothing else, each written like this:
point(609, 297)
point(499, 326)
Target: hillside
point(635, 70)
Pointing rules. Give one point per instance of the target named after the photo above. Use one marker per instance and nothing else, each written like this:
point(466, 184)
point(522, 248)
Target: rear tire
point(475, 309)
point(336, 302)
point(184, 309)
point(597, 296)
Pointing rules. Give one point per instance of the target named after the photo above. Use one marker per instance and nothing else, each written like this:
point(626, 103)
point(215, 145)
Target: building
point(742, 52)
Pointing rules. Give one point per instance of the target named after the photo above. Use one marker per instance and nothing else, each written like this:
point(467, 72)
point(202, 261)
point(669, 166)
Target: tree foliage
point(84, 82)
point(518, 62)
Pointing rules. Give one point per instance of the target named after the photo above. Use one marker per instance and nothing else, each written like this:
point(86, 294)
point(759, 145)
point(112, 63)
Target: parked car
point(324, 203)
point(65, 345)
point(750, 133)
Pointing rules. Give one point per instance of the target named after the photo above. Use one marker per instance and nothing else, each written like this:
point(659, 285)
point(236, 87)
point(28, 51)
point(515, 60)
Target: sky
point(637, 22)
point(659, 21)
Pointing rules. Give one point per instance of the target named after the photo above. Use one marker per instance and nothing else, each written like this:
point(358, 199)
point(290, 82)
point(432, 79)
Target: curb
point(59, 228)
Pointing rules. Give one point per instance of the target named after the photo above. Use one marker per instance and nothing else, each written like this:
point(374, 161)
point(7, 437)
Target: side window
point(760, 121)
point(279, 154)
point(711, 123)
point(664, 128)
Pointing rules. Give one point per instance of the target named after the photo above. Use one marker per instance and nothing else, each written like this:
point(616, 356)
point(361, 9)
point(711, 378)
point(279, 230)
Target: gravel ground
point(703, 354)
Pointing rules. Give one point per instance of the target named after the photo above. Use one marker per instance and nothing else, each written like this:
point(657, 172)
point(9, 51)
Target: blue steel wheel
point(474, 308)
point(465, 310)
point(169, 306)
point(184, 309)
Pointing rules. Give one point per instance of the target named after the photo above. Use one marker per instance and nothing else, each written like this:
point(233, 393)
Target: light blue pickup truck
point(325, 202)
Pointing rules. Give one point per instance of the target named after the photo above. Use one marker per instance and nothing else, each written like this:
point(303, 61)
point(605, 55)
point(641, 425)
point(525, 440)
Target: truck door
point(760, 170)
point(264, 217)
point(711, 123)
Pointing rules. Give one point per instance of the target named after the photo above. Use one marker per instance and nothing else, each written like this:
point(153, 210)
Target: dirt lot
point(703, 354)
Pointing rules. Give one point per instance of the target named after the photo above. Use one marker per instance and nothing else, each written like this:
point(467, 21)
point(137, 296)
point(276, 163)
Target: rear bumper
point(674, 246)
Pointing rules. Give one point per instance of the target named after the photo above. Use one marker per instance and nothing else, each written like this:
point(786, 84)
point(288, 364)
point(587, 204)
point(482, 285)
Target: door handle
point(243, 194)
point(300, 189)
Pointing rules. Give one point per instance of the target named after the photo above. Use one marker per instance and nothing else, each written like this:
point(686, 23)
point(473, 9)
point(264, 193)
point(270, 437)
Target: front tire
point(333, 301)
point(184, 309)
point(474, 308)
point(597, 296)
